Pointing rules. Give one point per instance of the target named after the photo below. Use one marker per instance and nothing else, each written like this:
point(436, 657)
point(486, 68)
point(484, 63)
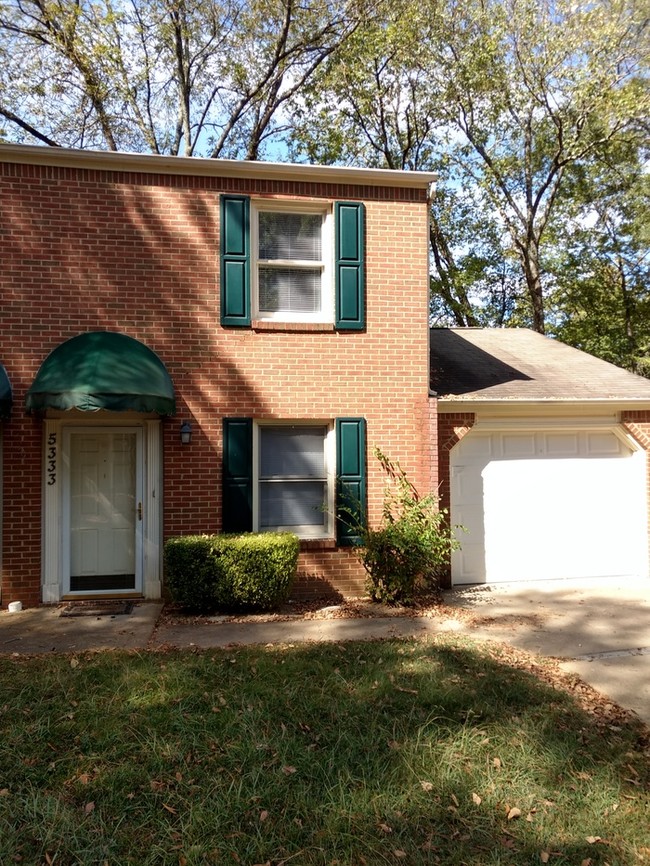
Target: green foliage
point(499, 98)
point(233, 572)
point(407, 552)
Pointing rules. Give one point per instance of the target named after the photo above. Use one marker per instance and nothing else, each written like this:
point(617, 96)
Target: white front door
point(103, 510)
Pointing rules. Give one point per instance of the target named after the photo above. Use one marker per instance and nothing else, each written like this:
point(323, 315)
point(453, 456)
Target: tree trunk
point(529, 258)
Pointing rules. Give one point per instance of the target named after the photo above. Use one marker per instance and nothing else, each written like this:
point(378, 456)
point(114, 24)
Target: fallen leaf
point(399, 853)
point(454, 799)
point(544, 856)
point(288, 771)
point(89, 807)
point(84, 778)
point(477, 799)
point(74, 663)
point(169, 808)
point(264, 815)
point(514, 813)
point(496, 763)
point(587, 862)
point(385, 828)
point(4, 792)
point(593, 839)
point(426, 786)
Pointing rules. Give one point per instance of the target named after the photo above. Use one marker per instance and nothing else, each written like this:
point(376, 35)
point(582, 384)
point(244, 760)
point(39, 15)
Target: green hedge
point(232, 572)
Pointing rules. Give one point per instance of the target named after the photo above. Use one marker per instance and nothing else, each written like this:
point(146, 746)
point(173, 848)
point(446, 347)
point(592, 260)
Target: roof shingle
point(520, 364)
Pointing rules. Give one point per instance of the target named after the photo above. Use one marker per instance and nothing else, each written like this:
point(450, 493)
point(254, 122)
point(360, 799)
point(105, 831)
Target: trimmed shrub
point(192, 571)
point(232, 572)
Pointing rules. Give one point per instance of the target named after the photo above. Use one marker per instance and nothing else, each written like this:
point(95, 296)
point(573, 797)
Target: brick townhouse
point(195, 346)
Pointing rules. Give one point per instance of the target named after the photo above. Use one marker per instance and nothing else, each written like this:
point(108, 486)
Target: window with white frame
point(294, 488)
point(291, 269)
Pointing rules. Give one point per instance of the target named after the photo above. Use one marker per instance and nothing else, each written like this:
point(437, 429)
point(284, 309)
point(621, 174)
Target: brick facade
point(88, 249)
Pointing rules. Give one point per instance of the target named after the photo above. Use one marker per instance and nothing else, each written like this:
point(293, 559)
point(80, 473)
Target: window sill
point(317, 543)
point(267, 325)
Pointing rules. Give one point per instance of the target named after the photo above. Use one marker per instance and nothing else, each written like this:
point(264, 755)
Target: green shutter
point(350, 279)
point(350, 479)
point(237, 505)
point(235, 261)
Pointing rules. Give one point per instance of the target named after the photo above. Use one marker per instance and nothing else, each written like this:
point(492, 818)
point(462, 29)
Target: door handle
point(139, 511)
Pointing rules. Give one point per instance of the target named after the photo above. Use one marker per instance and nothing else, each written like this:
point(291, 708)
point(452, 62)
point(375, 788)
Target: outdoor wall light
point(186, 433)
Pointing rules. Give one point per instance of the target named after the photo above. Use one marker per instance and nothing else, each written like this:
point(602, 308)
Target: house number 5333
point(51, 459)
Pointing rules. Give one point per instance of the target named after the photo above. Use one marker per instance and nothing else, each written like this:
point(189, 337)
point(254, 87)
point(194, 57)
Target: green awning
point(102, 370)
point(5, 393)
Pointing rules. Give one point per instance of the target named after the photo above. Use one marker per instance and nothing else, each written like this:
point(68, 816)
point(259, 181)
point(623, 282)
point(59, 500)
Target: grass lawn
point(363, 753)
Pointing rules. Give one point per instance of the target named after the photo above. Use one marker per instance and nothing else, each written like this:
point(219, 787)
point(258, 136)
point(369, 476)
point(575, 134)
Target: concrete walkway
point(601, 628)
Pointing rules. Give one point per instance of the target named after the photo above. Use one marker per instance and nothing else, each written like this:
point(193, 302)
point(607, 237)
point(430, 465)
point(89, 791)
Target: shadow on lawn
point(359, 753)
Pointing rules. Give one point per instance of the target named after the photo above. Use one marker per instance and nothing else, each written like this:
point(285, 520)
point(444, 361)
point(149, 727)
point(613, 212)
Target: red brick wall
point(90, 250)
point(452, 427)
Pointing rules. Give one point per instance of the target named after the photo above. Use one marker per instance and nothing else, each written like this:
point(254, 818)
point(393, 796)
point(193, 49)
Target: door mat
point(97, 608)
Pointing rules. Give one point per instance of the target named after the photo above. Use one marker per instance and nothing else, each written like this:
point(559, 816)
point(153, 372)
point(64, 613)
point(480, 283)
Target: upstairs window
point(292, 262)
point(292, 268)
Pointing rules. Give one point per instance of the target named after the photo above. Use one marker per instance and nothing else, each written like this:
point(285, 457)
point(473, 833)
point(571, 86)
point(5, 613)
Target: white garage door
point(547, 504)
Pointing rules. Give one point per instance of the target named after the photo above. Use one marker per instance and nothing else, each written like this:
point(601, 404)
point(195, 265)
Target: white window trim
point(303, 532)
point(326, 313)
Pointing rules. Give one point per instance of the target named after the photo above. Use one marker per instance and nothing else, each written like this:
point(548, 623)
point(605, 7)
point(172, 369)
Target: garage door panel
point(518, 445)
point(560, 444)
point(603, 444)
point(467, 486)
point(576, 508)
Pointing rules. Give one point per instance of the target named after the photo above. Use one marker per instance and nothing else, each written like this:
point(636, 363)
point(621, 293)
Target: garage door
point(547, 504)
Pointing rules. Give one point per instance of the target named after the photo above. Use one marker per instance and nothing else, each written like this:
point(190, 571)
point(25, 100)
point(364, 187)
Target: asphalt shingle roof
point(520, 364)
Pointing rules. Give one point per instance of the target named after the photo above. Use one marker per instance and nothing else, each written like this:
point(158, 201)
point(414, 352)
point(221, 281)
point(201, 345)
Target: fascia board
point(204, 167)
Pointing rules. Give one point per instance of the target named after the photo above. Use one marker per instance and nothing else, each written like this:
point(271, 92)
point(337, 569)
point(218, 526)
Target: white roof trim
point(201, 166)
point(512, 407)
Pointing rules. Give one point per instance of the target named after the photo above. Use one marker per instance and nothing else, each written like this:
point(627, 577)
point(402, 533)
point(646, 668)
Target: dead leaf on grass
point(477, 800)
point(496, 763)
point(544, 856)
point(264, 815)
point(89, 807)
point(385, 828)
point(169, 808)
point(426, 786)
point(514, 813)
point(399, 853)
point(288, 771)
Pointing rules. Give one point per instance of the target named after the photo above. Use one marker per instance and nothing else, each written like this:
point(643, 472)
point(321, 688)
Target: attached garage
point(542, 458)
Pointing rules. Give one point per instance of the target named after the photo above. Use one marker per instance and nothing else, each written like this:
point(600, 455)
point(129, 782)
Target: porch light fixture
point(186, 433)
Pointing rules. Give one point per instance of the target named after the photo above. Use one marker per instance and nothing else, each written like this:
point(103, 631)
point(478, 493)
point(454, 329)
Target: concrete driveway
point(601, 627)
